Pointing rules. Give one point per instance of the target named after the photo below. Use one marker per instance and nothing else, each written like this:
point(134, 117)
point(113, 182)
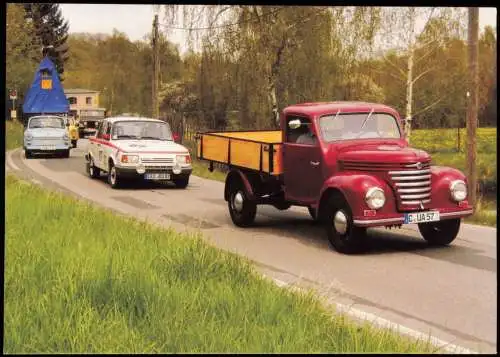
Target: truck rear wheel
point(241, 209)
point(440, 233)
point(342, 234)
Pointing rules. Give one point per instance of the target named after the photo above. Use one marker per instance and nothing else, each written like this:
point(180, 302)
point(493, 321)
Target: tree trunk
point(274, 103)
point(409, 75)
point(472, 104)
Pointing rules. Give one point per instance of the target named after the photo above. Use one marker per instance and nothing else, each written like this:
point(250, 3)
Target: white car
point(137, 148)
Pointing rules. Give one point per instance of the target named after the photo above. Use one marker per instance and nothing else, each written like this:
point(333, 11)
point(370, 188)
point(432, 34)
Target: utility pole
point(472, 103)
point(156, 69)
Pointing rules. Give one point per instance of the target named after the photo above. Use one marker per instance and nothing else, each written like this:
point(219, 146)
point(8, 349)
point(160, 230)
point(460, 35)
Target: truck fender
point(442, 177)
point(236, 174)
point(352, 187)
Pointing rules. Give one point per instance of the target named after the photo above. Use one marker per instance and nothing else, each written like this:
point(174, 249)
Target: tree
point(401, 32)
point(51, 30)
point(22, 53)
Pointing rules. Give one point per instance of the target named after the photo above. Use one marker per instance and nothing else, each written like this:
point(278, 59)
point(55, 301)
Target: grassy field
point(79, 279)
point(13, 134)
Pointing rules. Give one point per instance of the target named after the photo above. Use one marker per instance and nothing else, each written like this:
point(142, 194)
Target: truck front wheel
point(440, 233)
point(241, 209)
point(342, 234)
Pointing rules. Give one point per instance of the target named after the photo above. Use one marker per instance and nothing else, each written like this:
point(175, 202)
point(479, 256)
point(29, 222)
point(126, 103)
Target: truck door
point(302, 159)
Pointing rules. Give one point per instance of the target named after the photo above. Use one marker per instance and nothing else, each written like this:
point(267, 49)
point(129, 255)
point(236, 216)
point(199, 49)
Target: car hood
point(150, 146)
point(383, 153)
point(46, 132)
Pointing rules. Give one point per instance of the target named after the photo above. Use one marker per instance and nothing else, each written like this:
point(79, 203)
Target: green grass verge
point(13, 134)
point(79, 279)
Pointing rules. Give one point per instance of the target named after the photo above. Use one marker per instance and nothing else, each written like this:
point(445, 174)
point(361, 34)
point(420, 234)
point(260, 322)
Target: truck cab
point(350, 165)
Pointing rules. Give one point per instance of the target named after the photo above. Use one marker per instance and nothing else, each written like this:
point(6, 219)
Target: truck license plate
point(421, 217)
point(48, 147)
point(157, 176)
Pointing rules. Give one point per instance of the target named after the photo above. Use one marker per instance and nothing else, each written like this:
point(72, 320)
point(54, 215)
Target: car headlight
point(183, 159)
point(65, 137)
point(375, 198)
point(458, 190)
point(129, 159)
point(28, 137)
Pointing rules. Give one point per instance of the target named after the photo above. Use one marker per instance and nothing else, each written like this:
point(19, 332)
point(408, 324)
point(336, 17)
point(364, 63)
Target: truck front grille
point(413, 185)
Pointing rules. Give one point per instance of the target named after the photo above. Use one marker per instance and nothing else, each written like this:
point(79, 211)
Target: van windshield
point(351, 126)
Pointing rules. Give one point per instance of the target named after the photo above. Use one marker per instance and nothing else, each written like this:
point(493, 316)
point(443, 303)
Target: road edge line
point(10, 162)
point(384, 323)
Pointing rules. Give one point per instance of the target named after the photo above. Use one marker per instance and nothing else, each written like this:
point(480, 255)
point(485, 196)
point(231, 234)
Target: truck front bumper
point(398, 219)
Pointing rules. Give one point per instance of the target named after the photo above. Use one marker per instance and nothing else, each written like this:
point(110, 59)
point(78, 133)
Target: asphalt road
point(448, 292)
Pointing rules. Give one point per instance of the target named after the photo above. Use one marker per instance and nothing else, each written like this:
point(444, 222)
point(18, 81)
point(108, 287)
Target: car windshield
point(47, 122)
point(350, 126)
point(141, 130)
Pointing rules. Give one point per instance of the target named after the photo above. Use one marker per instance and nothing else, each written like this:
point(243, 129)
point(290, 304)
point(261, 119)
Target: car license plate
point(421, 217)
point(48, 147)
point(157, 176)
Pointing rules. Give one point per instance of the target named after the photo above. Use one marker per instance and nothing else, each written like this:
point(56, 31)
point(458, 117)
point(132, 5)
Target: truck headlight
point(458, 190)
point(183, 159)
point(375, 198)
point(129, 159)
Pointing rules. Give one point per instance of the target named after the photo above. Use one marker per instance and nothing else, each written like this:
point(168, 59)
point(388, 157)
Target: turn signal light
point(463, 204)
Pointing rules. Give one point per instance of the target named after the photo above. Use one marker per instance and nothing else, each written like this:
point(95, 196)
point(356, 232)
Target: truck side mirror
point(294, 124)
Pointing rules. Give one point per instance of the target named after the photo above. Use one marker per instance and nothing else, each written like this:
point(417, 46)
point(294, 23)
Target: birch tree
point(401, 33)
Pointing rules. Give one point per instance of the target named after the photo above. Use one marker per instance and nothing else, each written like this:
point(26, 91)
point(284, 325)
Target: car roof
point(47, 116)
point(127, 118)
point(322, 108)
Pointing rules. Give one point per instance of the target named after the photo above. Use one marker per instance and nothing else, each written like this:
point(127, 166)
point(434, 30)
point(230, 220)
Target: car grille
point(411, 183)
point(158, 160)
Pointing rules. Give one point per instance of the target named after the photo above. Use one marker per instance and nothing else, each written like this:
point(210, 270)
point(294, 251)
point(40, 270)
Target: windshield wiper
point(127, 136)
point(366, 119)
point(151, 138)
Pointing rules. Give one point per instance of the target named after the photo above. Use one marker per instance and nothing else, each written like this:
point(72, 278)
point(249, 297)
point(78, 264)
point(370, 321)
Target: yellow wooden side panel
point(262, 136)
point(277, 167)
point(245, 154)
point(215, 148)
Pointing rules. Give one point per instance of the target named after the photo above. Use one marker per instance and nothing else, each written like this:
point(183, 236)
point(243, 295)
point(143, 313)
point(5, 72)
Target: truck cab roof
point(322, 108)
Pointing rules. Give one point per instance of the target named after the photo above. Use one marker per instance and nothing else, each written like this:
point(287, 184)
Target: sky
point(137, 20)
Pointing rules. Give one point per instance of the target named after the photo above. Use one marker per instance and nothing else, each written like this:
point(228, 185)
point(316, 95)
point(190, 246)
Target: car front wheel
point(181, 182)
point(113, 178)
point(440, 233)
point(92, 170)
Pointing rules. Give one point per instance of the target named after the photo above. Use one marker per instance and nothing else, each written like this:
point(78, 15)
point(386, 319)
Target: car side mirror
point(294, 124)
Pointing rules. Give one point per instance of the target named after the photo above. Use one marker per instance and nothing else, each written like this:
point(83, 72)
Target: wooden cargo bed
point(254, 150)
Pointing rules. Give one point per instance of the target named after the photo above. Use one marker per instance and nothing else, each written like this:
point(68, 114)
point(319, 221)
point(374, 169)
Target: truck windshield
point(47, 122)
point(350, 126)
point(141, 130)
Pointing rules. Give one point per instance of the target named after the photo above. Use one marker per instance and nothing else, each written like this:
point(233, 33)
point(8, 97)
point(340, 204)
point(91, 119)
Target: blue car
point(46, 134)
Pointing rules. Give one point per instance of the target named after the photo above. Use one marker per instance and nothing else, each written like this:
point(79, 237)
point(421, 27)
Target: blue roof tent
point(46, 95)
